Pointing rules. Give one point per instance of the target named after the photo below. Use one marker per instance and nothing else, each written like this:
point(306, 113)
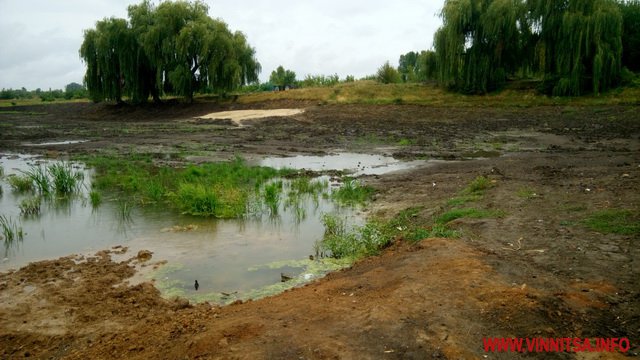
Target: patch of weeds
point(342, 242)
point(352, 192)
point(154, 191)
point(30, 206)
point(526, 193)
point(614, 221)
point(478, 185)
point(405, 142)
point(306, 185)
point(463, 199)
point(1, 171)
point(472, 192)
point(216, 189)
point(471, 213)
point(20, 183)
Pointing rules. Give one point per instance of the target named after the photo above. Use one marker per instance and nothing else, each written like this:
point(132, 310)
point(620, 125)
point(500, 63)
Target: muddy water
point(231, 259)
point(353, 163)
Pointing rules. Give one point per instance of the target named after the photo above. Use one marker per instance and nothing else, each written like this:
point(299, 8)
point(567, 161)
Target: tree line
point(573, 46)
point(174, 48)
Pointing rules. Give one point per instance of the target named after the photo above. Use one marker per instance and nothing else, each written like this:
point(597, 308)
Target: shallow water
point(234, 257)
point(66, 142)
point(353, 163)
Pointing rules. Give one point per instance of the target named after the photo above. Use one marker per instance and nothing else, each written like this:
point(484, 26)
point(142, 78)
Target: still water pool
point(231, 259)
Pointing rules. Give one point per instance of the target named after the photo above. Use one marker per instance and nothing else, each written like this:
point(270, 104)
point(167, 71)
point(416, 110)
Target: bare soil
point(539, 271)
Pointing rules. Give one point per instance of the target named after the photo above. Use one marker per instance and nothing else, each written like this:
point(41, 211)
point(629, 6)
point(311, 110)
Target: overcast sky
point(39, 39)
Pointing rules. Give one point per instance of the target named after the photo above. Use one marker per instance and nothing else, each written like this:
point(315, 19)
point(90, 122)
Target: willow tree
point(631, 34)
point(580, 44)
point(173, 48)
point(479, 43)
point(106, 51)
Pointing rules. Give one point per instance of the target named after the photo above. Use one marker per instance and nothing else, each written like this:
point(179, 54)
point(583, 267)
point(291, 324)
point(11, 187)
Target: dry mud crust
point(537, 271)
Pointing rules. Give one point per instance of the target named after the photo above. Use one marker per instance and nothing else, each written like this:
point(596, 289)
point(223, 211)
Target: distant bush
point(387, 74)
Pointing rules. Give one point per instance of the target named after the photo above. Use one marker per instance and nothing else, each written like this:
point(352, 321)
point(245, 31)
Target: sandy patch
point(238, 116)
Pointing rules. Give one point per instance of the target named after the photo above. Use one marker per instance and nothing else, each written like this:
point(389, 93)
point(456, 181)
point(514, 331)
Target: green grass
point(271, 194)
point(65, 180)
point(219, 190)
point(39, 179)
point(470, 213)
point(614, 221)
point(28, 113)
point(352, 192)
point(371, 92)
point(20, 183)
point(526, 193)
point(95, 198)
point(472, 192)
point(30, 206)
point(478, 185)
point(341, 242)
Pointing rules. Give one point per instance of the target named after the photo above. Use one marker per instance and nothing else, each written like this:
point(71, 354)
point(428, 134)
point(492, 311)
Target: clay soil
point(537, 272)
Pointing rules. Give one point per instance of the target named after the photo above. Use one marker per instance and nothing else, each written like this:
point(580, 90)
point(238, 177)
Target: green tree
point(174, 48)
point(631, 34)
point(105, 50)
point(479, 43)
point(282, 78)
point(426, 66)
point(580, 44)
point(387, 74)
point(407, 66)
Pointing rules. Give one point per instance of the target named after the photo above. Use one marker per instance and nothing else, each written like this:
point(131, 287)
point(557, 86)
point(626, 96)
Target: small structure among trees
point(173, 48)
point(282, 78)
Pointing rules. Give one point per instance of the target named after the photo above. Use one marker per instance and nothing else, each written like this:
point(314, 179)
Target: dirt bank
point(536, 271)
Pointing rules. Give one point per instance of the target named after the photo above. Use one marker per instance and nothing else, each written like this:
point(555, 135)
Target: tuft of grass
point(472, 213)
point(20, 183)
point(405, 142)
point(66, 181)
point(11, 231)
point(614, 221)
point(95, 198)
point(271, 195)
point(1, 171)
point(30, 206)
point(478, 185)
point(464, 199)
point(473, 192)
point(39, 179)
point(526, 193)
point(352, 192)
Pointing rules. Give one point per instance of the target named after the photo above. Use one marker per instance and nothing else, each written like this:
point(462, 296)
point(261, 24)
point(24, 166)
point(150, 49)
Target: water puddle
point(353, 163)
point(65, 142)
point(231, 259)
